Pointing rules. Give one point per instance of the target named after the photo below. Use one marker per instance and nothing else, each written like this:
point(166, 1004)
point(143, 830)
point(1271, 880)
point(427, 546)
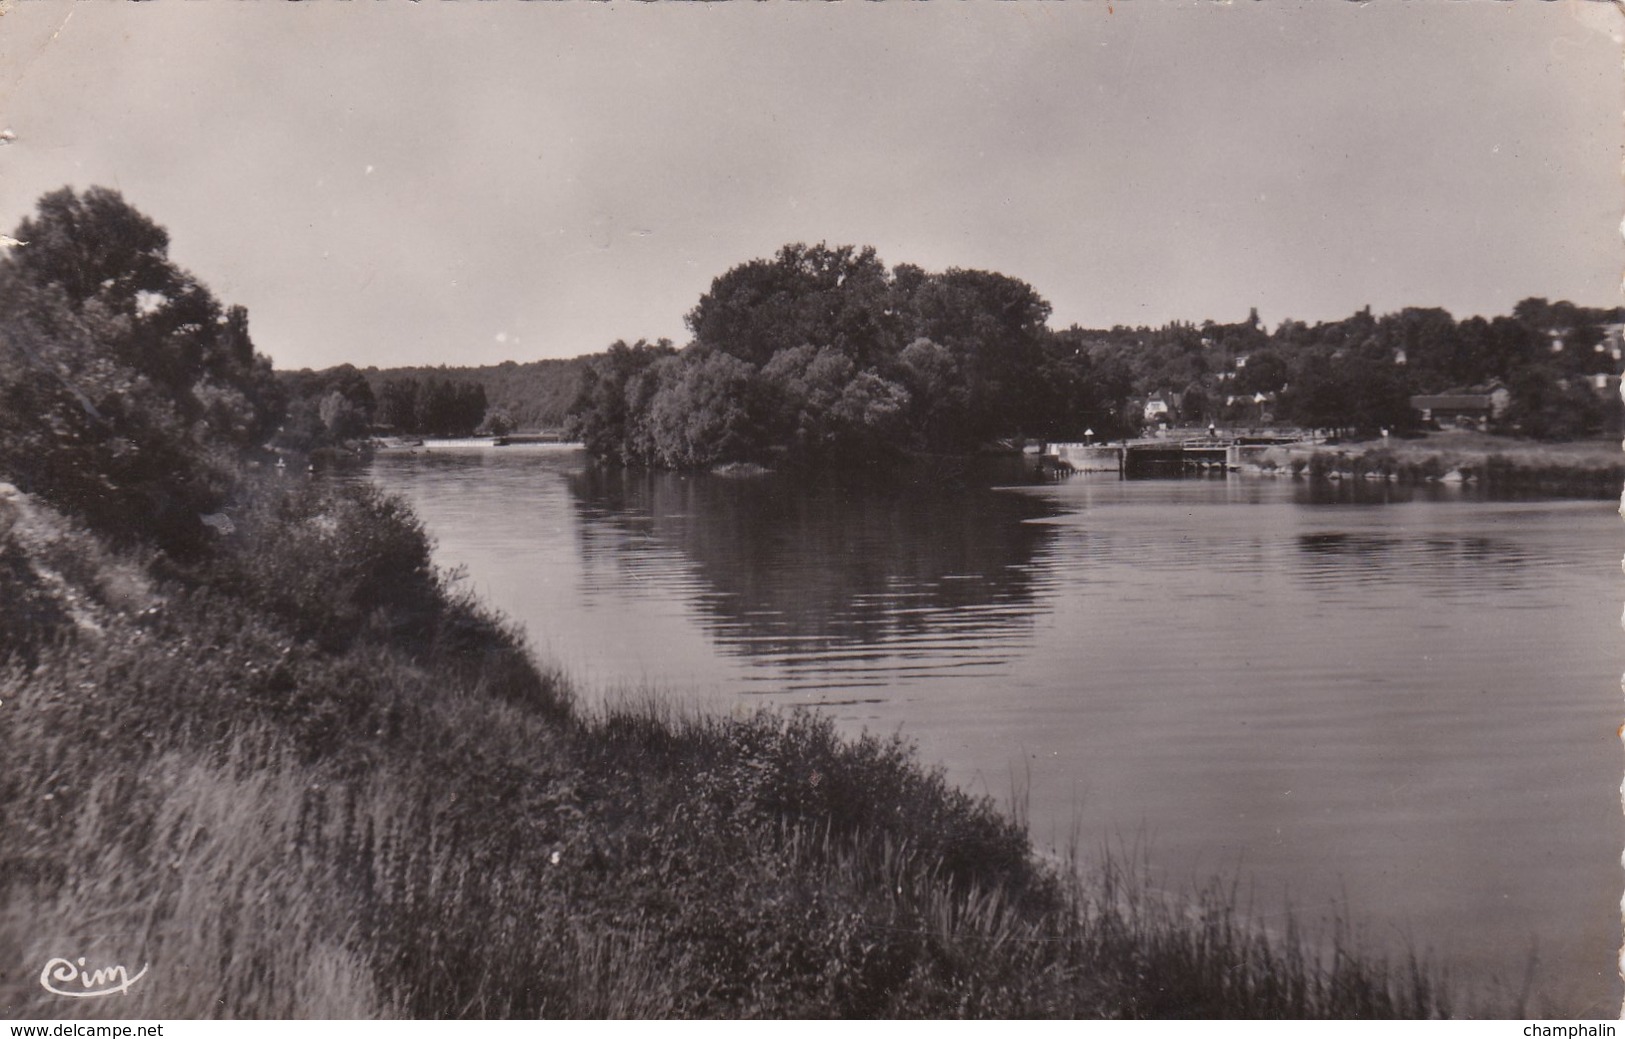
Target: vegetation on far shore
point(1495, 464)
point(256, 740)
point(344, 403)
point(823, 356)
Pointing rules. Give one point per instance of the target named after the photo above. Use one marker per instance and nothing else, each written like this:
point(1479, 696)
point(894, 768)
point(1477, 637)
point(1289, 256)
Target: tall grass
point(308, 778)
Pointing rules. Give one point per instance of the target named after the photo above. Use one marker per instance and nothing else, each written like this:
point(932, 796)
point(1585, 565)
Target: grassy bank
point(1503, 465)
point(303, 775)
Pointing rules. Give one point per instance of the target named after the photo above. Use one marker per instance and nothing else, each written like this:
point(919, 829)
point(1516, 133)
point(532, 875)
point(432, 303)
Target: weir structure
point(1159, 456)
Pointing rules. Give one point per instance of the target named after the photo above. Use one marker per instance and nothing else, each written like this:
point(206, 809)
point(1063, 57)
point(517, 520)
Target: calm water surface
point(1374, 702)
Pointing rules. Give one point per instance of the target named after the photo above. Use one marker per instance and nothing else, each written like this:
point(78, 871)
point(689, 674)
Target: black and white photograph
point(806, 509)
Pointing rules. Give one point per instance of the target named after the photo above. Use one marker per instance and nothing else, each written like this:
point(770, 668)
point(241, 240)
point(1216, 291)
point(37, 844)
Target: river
point(1388, 704)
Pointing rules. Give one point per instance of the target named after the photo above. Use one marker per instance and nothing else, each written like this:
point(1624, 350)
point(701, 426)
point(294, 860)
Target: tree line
point(1360, 372)
point(329, 407)
point(339, 404)
point(527, 396)
point(342, 403)
point(823, 354)
point(124, 381)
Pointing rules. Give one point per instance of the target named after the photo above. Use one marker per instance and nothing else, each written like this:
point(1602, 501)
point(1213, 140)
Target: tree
point(707, 411)
point(1078, 391)
point(1194, 405)
point(111, 265)
point(822, 407)
point(350, 384)
point(326, 408)
point(498, 422)
point(868, 414)
point(1378, 395)
point(612, 402)
point(436, 407)
point(1346, 393)
point(994, 327)
point(94, 247)
point(1264, 372)
point(93, 436)
point(397, 405)
point(124, 385)
point(940, 403)
point(470, 407)
point(805, 384)
point(1549, 406)
point(1315, 399)
point(1568, 334)
point(344, 421)
point(824, 296)
point(1428, 339)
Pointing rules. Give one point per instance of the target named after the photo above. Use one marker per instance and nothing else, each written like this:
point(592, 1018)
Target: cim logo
point(69, 978)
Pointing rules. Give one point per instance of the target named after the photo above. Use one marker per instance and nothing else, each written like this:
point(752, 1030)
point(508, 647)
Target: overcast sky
point(387, 183)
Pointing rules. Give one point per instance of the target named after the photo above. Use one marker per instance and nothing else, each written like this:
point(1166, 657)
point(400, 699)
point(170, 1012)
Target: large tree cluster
point(126, 387)
point(823, 354)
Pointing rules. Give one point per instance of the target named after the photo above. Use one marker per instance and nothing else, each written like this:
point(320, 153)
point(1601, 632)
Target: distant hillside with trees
point(534, 395)
point(1360, 372)
point(345, 402)
point(824, 355)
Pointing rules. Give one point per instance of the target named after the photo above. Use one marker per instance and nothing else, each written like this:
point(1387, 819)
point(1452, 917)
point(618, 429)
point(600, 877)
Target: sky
point(387, 183)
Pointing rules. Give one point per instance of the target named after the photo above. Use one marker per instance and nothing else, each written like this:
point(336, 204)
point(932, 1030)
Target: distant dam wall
point(1086, 458)
point(1249, 456)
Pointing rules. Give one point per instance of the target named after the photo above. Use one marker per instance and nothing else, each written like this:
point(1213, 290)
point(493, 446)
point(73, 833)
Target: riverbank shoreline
point(1591, 469)
point(1588, 469)
point(345, 760)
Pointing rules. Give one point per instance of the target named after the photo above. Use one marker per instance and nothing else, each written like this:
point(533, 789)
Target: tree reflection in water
point(844, 582)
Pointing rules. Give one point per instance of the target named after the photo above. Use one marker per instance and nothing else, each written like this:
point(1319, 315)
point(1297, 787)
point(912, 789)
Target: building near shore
point(1472, 408)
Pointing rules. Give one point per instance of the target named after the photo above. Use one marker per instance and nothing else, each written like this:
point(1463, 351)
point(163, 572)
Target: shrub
point(331, 560)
